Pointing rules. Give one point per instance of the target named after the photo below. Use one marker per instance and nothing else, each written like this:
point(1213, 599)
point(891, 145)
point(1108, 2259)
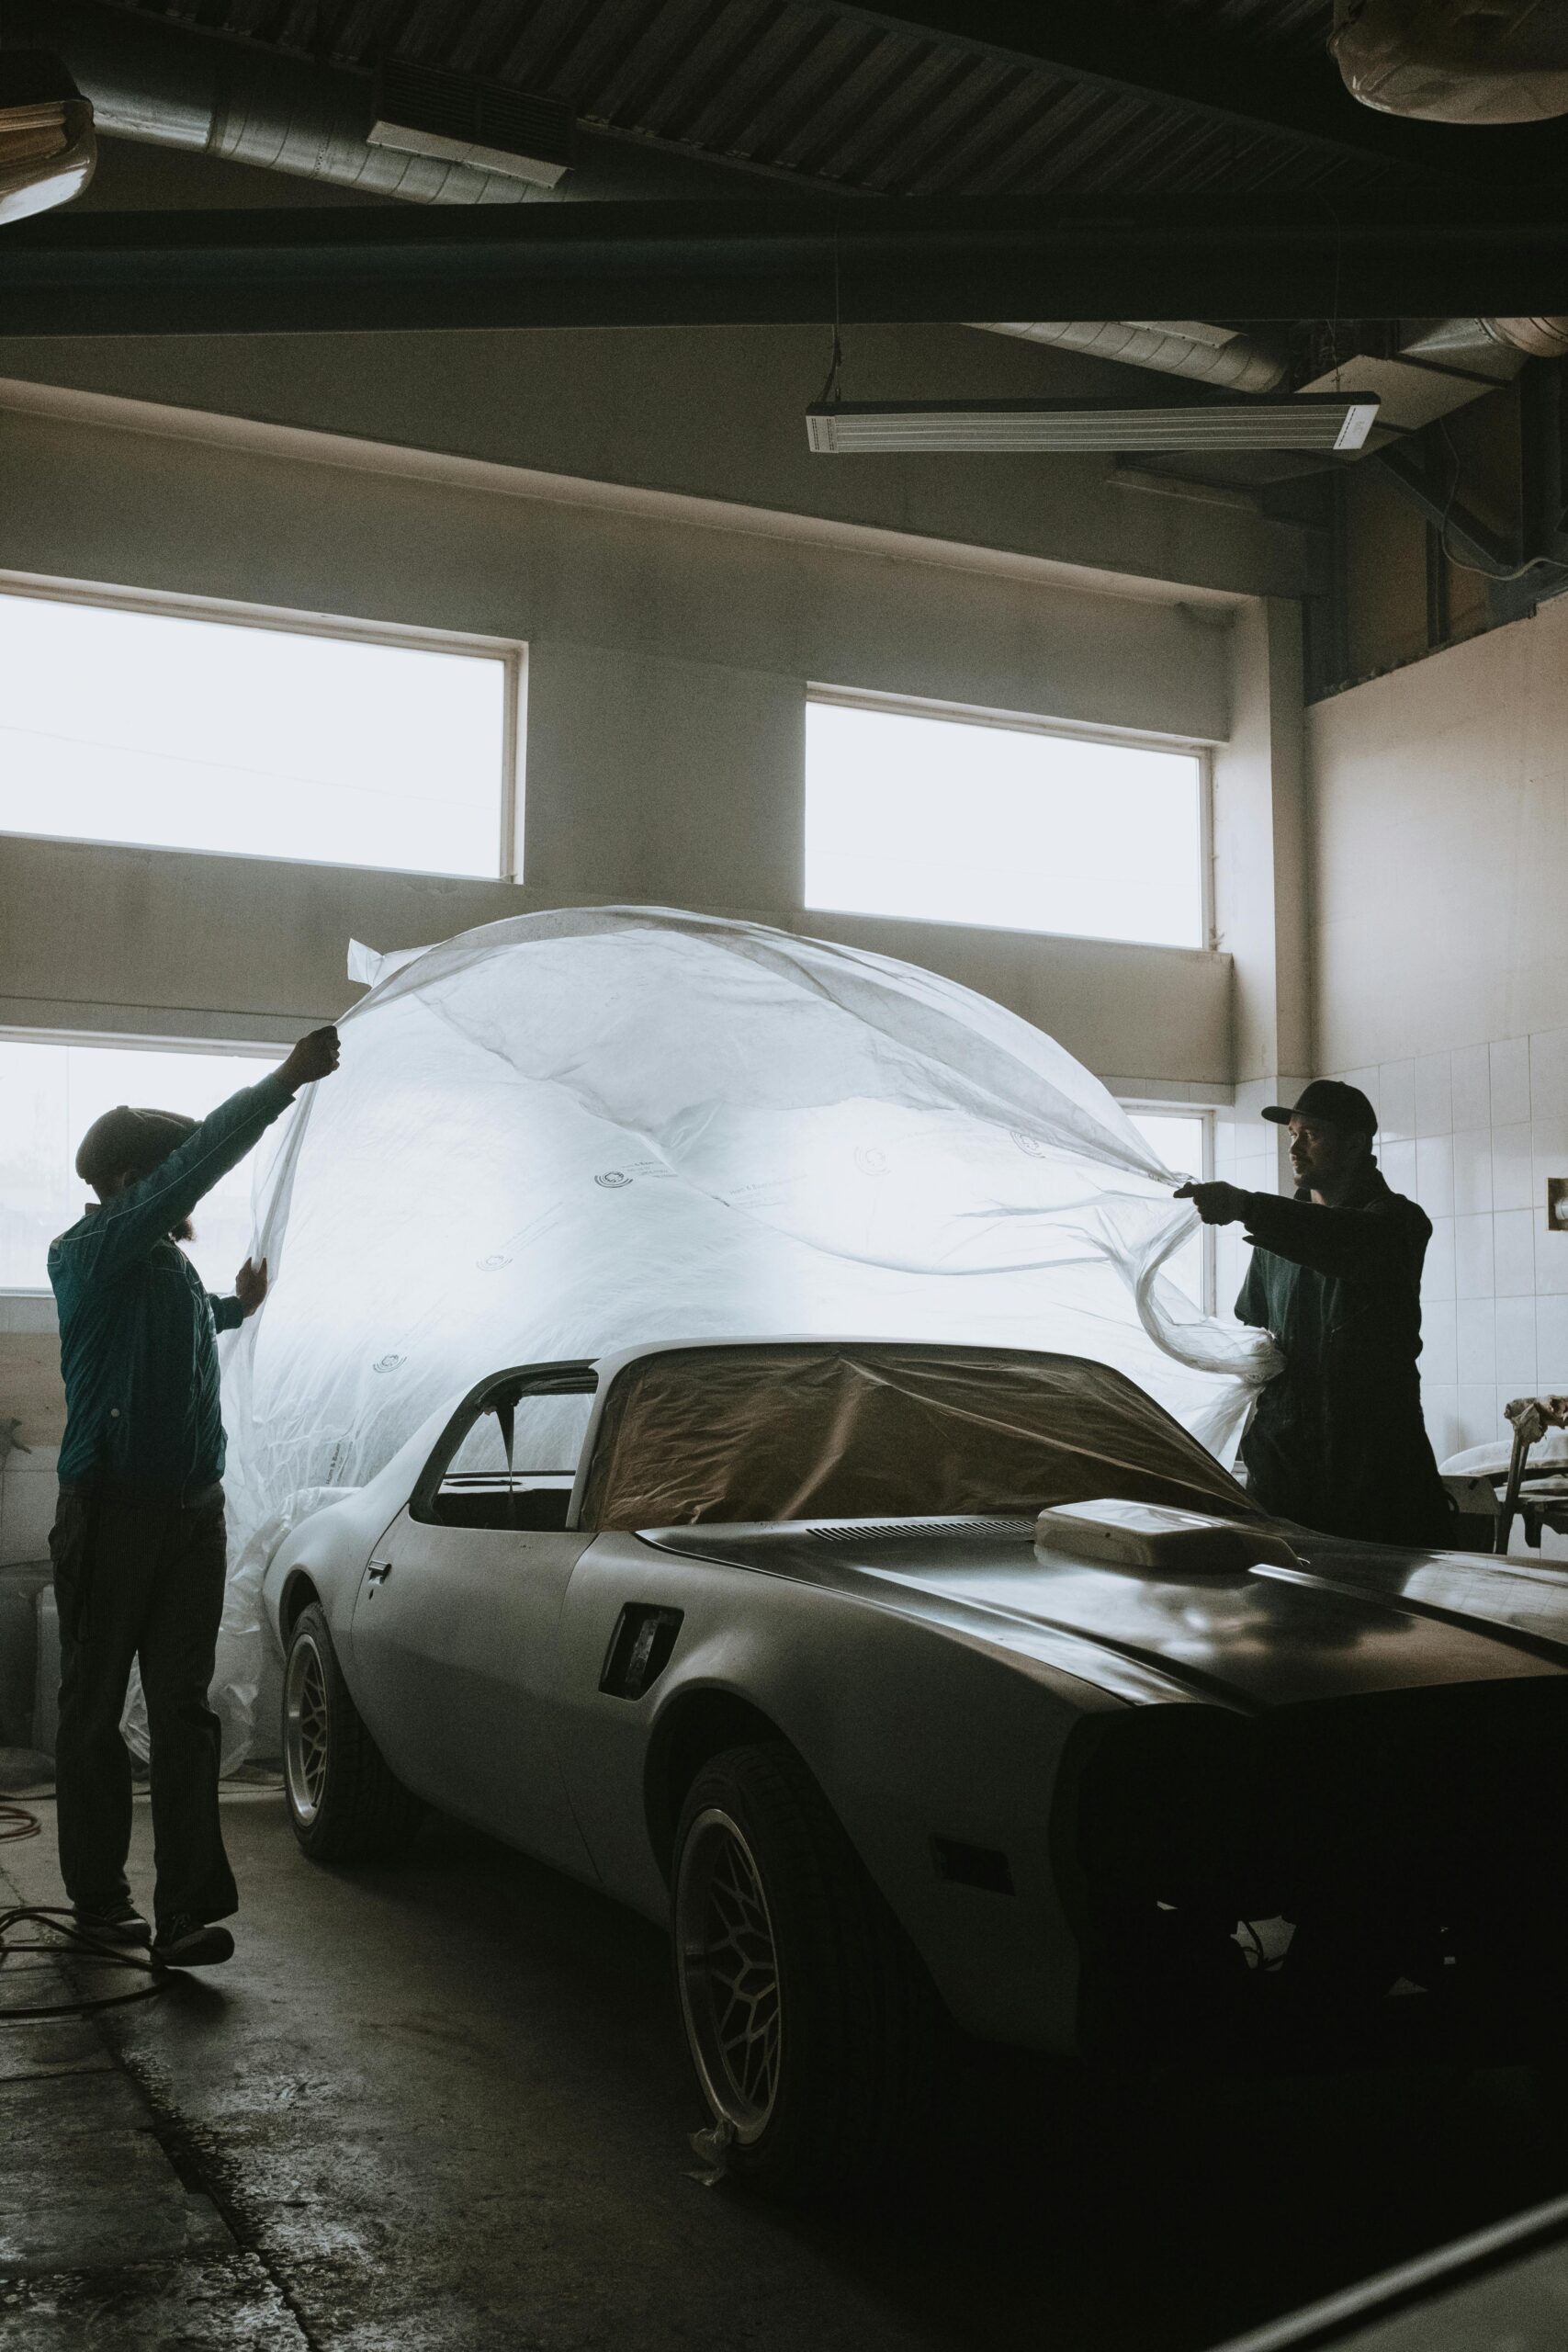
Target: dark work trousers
point(137, 1581)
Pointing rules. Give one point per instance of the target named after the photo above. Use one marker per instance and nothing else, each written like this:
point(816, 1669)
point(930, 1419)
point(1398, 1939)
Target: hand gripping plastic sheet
point(576, 1131)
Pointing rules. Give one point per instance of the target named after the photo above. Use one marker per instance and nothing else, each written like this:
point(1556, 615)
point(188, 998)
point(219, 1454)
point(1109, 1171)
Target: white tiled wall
point(1473, 1135)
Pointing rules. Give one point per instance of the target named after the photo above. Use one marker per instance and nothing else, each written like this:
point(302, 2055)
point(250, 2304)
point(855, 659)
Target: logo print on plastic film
point(495, 1264)
point(871, 1160)
point(388, 1364)
point(1031, 1145)
point(615, 1177)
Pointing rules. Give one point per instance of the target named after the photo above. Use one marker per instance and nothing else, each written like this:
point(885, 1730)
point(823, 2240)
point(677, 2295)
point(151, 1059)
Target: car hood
point(1349, 1618)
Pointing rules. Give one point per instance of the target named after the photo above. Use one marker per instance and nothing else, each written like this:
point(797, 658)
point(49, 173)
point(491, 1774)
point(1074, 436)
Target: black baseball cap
point(127, 1138)
point(1330, 1099)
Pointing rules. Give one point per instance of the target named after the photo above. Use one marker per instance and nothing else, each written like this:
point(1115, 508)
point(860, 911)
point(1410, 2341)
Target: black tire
point(343, 1803)
point(852, 2022)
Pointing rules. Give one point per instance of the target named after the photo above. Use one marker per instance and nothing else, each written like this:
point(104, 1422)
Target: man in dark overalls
point(138, 1543)
point(1338, 1440)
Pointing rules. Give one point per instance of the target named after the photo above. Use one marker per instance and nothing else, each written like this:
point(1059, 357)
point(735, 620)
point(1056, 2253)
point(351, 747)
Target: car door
point(454, 1635)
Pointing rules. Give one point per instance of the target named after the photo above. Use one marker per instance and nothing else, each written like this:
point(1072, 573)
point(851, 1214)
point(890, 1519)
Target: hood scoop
point(1157, 1539)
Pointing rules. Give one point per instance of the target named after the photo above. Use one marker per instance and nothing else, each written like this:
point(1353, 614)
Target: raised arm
point(132, 1221)
point(1350, 1245)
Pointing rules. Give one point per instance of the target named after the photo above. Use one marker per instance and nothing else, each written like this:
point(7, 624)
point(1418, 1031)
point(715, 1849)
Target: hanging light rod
point(1328, 421)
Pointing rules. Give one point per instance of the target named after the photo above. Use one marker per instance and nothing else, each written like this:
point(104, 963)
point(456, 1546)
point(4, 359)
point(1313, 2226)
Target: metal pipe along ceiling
point(174, 88)
point(171, 87)
point(1184, 348)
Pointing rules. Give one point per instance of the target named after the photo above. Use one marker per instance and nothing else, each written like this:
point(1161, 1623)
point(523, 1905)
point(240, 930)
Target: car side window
point(508, 1458)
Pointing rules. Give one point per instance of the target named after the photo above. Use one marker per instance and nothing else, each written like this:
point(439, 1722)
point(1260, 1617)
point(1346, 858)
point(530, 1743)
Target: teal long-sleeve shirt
point(138, 1330)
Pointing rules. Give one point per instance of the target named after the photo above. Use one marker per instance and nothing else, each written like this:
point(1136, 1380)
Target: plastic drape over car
point(582, 1130)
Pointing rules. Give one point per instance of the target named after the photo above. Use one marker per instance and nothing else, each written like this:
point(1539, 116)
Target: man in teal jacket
point(138, 1543)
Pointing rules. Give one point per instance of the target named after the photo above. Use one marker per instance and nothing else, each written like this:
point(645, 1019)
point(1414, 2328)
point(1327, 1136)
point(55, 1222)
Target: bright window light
point(947, 821)
point(53, 1092)
point(120, 725)
point(1182, 1138)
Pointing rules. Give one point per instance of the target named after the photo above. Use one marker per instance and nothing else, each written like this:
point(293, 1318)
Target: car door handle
point(379, 1571)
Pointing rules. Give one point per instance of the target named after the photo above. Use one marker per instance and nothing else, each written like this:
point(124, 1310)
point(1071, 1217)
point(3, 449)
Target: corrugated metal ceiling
point(800, 88)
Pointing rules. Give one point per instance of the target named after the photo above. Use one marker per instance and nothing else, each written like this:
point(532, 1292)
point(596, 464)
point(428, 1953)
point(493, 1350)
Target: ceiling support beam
point(740, 263)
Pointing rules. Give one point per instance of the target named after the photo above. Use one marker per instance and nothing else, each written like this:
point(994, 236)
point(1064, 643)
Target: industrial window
point(1184, 1140)
point(54, 1090)
point(948, 818)
point(213, 728)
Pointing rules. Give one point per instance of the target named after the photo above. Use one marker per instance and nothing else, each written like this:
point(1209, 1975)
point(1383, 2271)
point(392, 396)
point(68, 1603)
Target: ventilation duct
point(233, 99)
point(1537, 338)
point(1442, 365)
point(46, 148)
point(458, 119)
point(1181, 348)
point(1505, 61)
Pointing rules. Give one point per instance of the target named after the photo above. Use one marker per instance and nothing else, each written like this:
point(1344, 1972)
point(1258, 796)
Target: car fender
point(937, 1750)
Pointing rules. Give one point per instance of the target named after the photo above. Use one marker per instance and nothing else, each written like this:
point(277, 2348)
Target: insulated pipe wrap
point(171, 86)
point(1213, 356)
point(1538, 338)
point(284, 117)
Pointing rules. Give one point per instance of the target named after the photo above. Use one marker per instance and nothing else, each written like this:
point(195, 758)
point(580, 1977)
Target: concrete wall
point(718, 414)
point(669, 658)
point(1440, 878)
point(670, 643)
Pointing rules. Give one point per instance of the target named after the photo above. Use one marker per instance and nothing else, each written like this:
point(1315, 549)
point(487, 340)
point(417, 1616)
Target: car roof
point(616, 1361)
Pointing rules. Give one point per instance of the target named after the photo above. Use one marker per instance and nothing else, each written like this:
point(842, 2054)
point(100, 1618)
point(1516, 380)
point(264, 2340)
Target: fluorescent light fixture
point(1256, 421)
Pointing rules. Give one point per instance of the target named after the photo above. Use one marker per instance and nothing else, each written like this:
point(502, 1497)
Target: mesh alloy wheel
point(728, 1973)
point(305, 1728)
point(345, 1802)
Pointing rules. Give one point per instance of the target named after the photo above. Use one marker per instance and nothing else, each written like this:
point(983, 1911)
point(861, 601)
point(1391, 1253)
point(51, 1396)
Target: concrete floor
point(441, 2107)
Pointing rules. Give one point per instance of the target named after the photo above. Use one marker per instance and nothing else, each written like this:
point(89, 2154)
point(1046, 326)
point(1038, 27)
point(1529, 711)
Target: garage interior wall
point(671, 640)
point(1440, 824)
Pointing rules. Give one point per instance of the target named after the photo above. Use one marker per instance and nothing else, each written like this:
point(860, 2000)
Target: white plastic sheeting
point(576, 1131)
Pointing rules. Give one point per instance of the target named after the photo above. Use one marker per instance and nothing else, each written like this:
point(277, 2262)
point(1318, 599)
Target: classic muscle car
point(921, 1687)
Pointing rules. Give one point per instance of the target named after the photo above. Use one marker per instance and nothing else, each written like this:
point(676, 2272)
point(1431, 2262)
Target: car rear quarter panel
point(914, 1732)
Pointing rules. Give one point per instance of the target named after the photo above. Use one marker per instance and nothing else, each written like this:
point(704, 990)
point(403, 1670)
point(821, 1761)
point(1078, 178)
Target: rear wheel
point(809, 2023)
point(344, 1804)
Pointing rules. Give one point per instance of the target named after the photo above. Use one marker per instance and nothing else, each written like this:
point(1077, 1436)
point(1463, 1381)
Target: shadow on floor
point(443, 2107)
point(1171, 2212)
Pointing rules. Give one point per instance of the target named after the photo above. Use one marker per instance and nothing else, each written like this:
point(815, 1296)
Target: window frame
point(1207, 1113)
point(1025, 722)
point(286, 620)
point(242, 1048)
point(570, 1376)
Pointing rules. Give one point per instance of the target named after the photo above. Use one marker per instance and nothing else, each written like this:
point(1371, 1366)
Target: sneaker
point(122, 1923)
point(191, 1943)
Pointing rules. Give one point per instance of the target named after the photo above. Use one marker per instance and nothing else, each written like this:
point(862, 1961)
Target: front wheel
point(809, 2023)
point(344, 1803)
